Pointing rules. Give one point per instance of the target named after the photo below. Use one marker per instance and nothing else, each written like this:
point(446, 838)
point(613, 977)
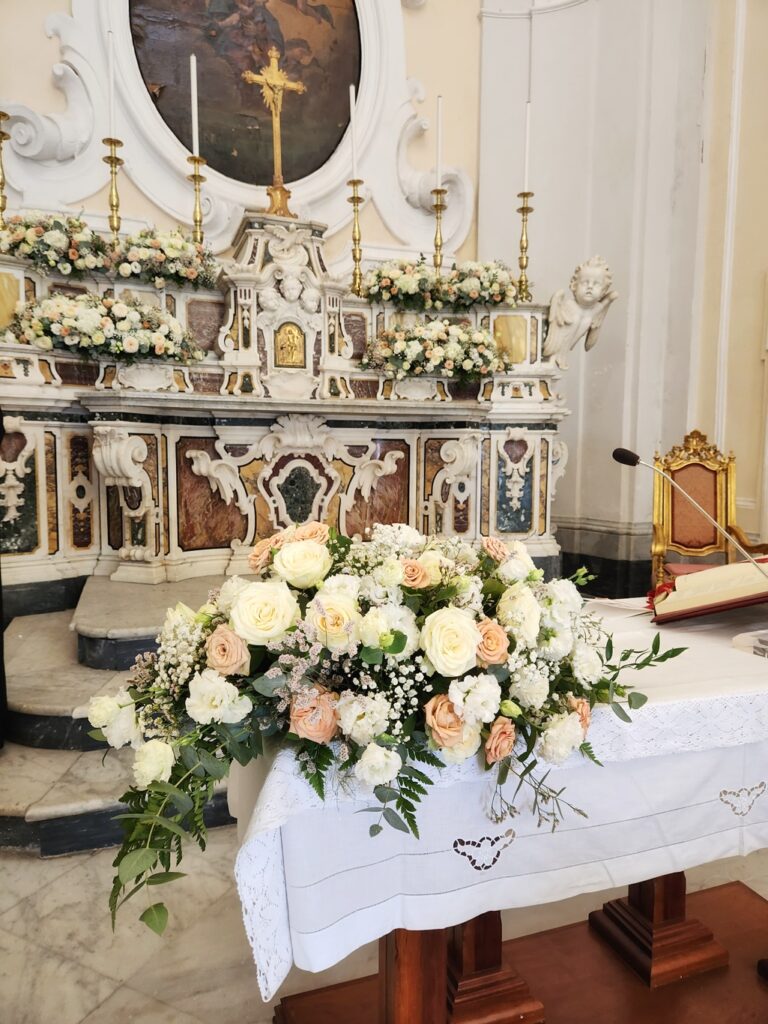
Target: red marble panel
point(77, 372)
point(389, 499)
point(365, 388)
point(203, 518)
point(204, 319)
point(356, 329)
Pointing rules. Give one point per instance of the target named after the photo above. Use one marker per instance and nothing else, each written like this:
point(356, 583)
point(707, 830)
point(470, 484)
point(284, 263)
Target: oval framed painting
point(319, 44)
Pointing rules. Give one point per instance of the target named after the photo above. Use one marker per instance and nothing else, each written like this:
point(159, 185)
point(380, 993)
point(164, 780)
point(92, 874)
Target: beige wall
point(735, 317)
point(452, 67)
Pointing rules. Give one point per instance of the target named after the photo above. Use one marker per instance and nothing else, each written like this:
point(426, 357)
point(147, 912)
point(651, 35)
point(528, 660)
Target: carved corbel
point(13, 473)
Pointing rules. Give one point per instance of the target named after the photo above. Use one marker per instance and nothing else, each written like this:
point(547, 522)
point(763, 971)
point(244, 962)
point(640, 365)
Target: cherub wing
point(597, 321)
point(563, 317)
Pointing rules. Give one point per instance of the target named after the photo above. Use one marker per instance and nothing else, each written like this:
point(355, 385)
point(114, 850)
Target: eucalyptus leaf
point(393, 818)
point(636, 700)
point(156, 917)
point(214, 766)
point(619, 711)
point(266, 685)
point(136, 863)
point(385, 793)
point(371, 655)
point(374, 830)
point(165, 876)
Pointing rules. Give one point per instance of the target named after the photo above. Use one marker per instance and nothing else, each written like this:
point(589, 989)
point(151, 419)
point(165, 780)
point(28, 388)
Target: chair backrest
point(709, 477)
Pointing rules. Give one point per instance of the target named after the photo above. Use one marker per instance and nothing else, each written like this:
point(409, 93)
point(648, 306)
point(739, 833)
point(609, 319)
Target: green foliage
point(156, 917)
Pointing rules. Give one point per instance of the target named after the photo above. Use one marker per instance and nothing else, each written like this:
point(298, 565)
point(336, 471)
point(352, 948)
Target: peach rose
point(581, 706)
point(415, 575)
point(500, 741)
point(258, 559)
point(227, 652)
point(495, 548)
point(493, 649)
point(313, 714)
point(446, 726)
point(312, 531)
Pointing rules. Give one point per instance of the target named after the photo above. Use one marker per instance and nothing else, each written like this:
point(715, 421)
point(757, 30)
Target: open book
point(712, 590)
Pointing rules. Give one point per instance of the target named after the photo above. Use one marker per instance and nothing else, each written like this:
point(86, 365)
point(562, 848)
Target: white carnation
point(586, 662)
point(562, 601)
point(561, 737)
point(529, 686)
point(557, 645)
point(476, 698)
point(378, 765)
point(362, 718)
point(153, 763)
point(513, 570)
point(389, 573)
point(341, 584)
point(116, 717)
point(212, 698)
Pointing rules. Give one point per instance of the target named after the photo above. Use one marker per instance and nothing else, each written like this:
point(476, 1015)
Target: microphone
point(627, 458)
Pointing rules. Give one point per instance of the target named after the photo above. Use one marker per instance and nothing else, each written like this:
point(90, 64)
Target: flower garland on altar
point(418, 286)
point(167, 257)
point(387, 659)
point(56, 244)
point(437, 347)
point(93, 327)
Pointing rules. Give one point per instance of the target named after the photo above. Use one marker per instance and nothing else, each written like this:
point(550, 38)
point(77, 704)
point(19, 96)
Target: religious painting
point(319, 46)
point(289, 346)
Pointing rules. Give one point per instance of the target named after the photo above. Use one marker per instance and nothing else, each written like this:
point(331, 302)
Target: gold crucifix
point(274, 82)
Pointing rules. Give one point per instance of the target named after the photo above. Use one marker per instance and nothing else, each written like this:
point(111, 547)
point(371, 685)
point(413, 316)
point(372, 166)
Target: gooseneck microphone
point(627, 458)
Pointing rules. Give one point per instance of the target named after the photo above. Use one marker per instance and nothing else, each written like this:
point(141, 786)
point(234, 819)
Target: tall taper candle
point(439, 164)
point(111, 59)
point(527, 155)
point(353, 132)
point(193, 94)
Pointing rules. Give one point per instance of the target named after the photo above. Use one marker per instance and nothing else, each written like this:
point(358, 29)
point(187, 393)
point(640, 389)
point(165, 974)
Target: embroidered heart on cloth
point(483, 853)
point(741, 801)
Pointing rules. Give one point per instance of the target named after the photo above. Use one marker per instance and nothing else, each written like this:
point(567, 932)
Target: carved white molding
point(119, 456)
point(460, 472)
point(559, 462)
point(55, 161)
point(13, 473)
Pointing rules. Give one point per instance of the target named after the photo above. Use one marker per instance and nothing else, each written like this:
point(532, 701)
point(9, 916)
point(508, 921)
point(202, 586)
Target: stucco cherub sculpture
point(580, 314)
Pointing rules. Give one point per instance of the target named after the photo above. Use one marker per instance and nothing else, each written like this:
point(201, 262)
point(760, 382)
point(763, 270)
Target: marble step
point(47, 687)
point(54, 802)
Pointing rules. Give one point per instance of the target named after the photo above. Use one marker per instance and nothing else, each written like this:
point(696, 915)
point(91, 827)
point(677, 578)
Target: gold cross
point(274, 83)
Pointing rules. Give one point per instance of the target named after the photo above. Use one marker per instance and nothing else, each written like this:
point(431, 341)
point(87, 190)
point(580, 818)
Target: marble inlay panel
point(204, 520)
point(356, 329)
point(204, 319)
point(51, 499)
point(388, 502)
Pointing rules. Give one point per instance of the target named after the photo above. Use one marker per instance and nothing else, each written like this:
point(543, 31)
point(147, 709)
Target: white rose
point(562, 736)
point(116, 717)
point(124, 270)
point(519, 612)
point(362, 718)
point(56, 239)
point(468, 745)
point(264, 611)
point(229, 591)
point(378, 765)
point(341, 584)
point(586, 662)
point(153, 763)
point(335, 618)
point(476, 698)
point(213, 699)
point(450, 639)
point(529, 685)
point(303, 563)
point(130, 344)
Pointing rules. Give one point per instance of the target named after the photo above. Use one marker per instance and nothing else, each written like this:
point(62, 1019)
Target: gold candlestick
point(197, 180)
point(523, 291)
point(438, 206)
point(357, 249)
point(115, 163)
point(4, 136)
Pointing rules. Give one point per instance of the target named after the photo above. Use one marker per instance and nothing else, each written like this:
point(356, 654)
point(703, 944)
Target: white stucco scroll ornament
point(54, 161)
point(580, 314)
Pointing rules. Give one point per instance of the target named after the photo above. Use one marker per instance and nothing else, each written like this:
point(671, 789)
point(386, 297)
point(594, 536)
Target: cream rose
point(495, 548)
point(580, 705)
point(468, 744)
point(500, 742)
point(227, 652)
point(153, 763)
point(258, 559)
point(433, 564)
point(494, 645)
point(264, 611)
point(415, 575)
point(312, 531)
point(445, 726)
point(335, 619)
point(213, 699)
point(302, 563)
point(313, 714)
point(450, 639)
point(519, 611)
point(378, 765)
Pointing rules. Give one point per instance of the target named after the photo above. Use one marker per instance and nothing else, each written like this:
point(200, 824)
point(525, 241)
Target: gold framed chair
point(702, 470)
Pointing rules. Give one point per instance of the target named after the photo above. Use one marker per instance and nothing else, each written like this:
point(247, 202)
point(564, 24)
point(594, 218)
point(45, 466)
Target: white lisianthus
point(115, 715)
point(341, 583)
point(519, 612)
point(213, 699)
point(389, 573)
point(529, 686)
point(586, 662)
point(378, 765)
point(468, 745)
point(378, 626)
point(335, 619)
point(362, 718)
point(513, 570)
point(557, 644)
point(302, 563)
point(561, 602)
point(561, 737)
point(450, 639)
point(476, 698)
point(153, 763)
point(229, 591)
point(264, 611)
point(520, 552)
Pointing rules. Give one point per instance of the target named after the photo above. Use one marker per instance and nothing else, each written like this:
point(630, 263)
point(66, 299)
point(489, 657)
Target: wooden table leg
point(412, 972)
point(649, 930)
point(481, 989)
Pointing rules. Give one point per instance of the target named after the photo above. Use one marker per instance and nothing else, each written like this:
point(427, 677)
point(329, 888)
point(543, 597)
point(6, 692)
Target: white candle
point(353, 132)
point(193, 90)
point(527, 154)
point(111, 59)
point(439, 160)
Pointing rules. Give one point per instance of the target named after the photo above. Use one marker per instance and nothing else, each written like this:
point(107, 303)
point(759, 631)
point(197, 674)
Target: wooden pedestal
point(650, 931)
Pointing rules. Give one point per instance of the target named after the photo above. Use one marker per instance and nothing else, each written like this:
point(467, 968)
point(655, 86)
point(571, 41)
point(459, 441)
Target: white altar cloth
point(685, 784)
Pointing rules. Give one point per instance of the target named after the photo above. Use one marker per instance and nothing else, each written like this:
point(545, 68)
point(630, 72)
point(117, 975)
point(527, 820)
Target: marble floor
point(60, 961)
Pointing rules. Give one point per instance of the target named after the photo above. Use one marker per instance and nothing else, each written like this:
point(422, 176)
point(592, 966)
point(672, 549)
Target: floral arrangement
point(386, 660)
point(95, 326)
point(418, 286)
point(164, 257)
point(434, 347)
point(65, 245)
